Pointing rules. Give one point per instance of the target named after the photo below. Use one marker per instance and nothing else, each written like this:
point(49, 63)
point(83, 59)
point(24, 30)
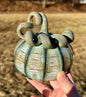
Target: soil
point(51, 7)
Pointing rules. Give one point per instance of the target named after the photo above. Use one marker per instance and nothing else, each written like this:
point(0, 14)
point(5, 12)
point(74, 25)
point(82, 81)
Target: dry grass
point(12, 83)
point(57, 22)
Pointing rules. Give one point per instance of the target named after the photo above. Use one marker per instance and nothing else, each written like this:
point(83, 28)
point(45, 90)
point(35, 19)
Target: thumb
point(64, 82)
point(33, 96)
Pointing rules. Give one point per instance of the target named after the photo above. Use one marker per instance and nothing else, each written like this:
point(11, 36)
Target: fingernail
point(28, 79)
point(60, 75)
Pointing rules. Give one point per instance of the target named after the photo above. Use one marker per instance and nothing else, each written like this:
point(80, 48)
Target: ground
point(13, 83)
point(51, 7)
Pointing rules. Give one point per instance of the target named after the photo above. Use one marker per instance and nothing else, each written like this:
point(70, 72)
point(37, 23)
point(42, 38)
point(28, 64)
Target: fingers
point(41, 87)
point(54, 84)
point(64, 82)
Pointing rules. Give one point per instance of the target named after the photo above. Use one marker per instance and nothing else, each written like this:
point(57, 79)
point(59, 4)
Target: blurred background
point(62, 15)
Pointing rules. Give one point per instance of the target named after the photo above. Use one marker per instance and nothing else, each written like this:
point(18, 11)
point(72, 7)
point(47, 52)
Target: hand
point(62, 87)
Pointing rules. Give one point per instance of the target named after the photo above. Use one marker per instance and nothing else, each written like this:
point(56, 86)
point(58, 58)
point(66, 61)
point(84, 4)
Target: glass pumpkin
point(42, 55)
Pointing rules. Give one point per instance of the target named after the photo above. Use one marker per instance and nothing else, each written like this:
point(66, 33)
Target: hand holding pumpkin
point(42, 55)
point(62, 87)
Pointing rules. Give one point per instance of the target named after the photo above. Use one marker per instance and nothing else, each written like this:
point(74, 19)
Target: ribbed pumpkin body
point(40, 56)
point(42, 64)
